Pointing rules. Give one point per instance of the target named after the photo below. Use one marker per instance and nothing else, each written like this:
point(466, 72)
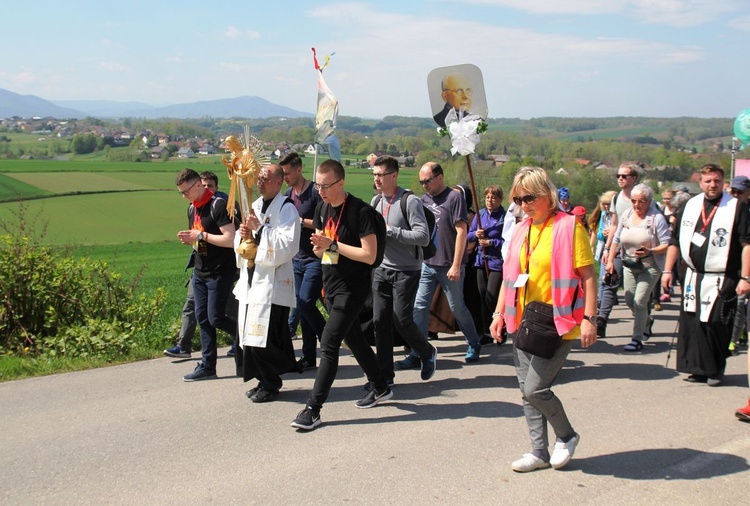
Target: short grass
point(13, 188)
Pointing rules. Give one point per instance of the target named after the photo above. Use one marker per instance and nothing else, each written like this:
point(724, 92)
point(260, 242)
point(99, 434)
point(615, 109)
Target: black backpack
point(324, 210)
point(431, 248)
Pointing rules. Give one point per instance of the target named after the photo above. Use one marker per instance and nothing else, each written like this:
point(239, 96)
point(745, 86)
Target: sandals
point(635, 345)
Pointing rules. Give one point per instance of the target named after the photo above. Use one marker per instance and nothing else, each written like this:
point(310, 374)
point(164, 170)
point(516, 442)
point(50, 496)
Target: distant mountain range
point(27, 106)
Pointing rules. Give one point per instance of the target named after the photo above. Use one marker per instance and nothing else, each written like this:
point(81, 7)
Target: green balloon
point(742, 127)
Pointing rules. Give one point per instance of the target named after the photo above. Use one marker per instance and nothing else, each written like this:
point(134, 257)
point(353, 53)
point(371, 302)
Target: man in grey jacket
point(396, 280)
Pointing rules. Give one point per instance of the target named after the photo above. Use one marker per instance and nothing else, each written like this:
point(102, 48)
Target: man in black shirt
point(308, 275)
point(211, 234)
point(345, 240)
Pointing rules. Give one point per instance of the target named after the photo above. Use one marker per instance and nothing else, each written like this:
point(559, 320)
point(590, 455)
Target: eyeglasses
point(639, 201)
point(461, 91)
point(376, 175)
point(427, 181)
point(185, 192)
point(623, 176)
point(526, 199)
point(320, 187)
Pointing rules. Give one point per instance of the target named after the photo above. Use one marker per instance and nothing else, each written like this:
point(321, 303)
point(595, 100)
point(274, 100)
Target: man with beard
point(711, 236)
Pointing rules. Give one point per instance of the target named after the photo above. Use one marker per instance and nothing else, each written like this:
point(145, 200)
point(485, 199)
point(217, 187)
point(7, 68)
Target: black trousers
point(343, 325)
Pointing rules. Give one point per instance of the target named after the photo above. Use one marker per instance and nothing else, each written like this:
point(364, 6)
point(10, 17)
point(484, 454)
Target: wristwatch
point(595, 319)
point(746, 278)
point(201, 237)
point(334, 247)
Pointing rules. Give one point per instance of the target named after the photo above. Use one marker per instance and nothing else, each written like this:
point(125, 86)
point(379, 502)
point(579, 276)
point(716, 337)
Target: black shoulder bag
point(537, 333)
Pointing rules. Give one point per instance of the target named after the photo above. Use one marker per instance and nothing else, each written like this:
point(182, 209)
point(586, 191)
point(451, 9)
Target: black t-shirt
point(211, 260)
point(305, 202)
point(348, 276)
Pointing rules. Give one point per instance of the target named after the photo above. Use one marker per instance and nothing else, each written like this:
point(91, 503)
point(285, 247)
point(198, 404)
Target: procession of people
point(549, 283)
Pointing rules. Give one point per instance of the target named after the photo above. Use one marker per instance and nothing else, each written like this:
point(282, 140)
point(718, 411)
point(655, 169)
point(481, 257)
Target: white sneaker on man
point(564, 452)
point(529, 462)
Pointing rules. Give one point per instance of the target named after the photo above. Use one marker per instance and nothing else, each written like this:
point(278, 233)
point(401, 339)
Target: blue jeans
point(211, 295)
point(308, 282)
point(430, 277)
point(540, 405)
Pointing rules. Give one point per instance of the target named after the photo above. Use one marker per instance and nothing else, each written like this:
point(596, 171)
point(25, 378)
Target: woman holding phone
point(643, 237)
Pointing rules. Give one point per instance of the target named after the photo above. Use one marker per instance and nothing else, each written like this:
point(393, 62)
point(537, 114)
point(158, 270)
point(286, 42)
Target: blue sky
point(538, 57)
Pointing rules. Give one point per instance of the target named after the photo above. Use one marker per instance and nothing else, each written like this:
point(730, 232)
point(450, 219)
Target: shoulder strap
point(404, 201)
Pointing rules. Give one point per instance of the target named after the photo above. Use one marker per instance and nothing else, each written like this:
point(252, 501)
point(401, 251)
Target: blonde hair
point(536, 181)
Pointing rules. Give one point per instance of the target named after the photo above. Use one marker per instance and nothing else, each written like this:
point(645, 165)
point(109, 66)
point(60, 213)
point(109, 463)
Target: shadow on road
point(662, 464)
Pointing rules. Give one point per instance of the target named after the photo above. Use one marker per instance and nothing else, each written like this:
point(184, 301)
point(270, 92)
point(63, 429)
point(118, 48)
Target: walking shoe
point(368, 386)
point(564, 452)
point(307, 419)
point(306, 364)
point(486, 339)
point(635, 345)
point(657, 306)
point(177, 352)
point(734, 348)
point(200, 373)
point(429, 365)
point(744, 413)
point(696, 378)
point(410, 362)
point(263, 395)
point(252, 392)
point(665, 298)
point(528, 463)
point(232, 351)
point(472, 354)
point(714, 381)
point(373, 398)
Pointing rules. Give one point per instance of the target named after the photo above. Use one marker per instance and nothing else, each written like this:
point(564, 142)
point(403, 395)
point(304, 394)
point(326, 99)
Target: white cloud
point(741, 23)
point(111, 66)
point(235, 33)
point(678, 13)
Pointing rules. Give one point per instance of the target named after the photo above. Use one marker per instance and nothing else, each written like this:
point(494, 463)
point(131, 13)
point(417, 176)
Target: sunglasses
point(526, 199)
point(427, 181)
point(623, 176)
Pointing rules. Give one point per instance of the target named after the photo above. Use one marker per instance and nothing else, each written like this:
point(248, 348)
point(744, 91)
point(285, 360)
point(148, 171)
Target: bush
point(52, 304)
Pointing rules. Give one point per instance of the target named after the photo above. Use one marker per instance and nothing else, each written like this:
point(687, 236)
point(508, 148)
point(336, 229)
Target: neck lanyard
point(530, 249)
point(330, 231)
point(295, 196)
point(707, 221)
point(385, 213)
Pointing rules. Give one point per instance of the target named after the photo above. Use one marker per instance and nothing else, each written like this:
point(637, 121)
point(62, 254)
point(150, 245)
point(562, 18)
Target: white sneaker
point(564, 452)
point(529, 462)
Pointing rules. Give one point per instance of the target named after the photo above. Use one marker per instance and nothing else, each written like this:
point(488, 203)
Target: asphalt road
point(138, 434)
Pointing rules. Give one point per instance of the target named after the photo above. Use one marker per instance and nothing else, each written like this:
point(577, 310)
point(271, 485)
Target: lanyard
point(707, 221)
point(385, 213)
point(330, 231)
point(530, 249)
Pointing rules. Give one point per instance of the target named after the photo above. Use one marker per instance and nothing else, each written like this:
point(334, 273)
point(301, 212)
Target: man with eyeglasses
point(627, 177)
point(396, 280)
point(447, 267)
point(456, 93)
point(184, 346)
point(308, 275)
point(346, 242)
point(211, 234)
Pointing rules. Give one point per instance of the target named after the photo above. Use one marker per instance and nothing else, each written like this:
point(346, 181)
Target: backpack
point(431, 248)
point(324, 209)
